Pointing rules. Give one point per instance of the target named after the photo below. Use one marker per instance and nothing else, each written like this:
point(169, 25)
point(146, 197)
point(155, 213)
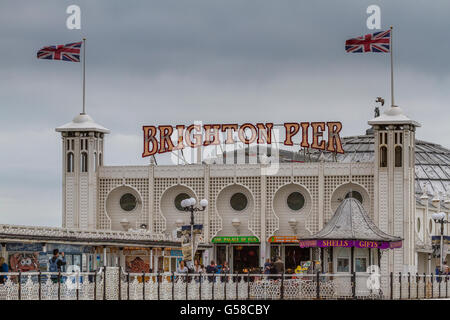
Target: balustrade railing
point(113, 283)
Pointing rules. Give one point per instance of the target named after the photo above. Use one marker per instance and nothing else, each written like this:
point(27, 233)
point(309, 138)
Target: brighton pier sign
point(316, 135)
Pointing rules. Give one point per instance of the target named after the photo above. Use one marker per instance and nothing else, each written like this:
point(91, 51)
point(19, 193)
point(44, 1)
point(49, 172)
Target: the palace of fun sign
point(316, 135)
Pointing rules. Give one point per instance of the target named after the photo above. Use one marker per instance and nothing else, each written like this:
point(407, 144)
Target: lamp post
point(188, 205)
point(439, 217)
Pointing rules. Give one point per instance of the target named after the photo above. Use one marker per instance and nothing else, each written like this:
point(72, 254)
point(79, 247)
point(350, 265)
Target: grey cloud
point(154, 62)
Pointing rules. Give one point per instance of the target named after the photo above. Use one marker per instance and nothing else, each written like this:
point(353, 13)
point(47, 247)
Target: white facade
point(91, 200)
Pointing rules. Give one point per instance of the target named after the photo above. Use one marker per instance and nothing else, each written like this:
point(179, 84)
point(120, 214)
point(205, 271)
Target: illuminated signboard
point(168, 138)
point(283, 239)
point(237, 239)
point(350, 243)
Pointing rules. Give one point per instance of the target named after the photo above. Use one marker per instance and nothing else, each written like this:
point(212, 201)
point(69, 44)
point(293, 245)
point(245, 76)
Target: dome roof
point(82, 122)
point(351, 222)
point(393, 115)
point(432, 161)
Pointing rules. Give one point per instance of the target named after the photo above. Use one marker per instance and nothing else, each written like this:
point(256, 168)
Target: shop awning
point(350, 226)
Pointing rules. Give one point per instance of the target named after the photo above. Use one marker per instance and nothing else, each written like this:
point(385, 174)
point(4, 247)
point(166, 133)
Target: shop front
point(350, 242)
point(137, 260)
point(287, 247)
point(76, 255)
point(240, 252)
point(172, 259)
point(25, 257)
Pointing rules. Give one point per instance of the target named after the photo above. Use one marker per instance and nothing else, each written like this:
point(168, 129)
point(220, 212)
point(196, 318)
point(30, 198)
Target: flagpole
point(84, 75)
point(392, 71)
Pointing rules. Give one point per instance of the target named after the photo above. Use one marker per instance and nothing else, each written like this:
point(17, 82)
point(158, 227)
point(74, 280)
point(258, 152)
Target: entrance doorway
point(293, 256)
point(245, 259)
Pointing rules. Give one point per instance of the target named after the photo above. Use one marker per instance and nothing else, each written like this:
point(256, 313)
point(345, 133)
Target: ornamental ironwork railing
point(114, 284)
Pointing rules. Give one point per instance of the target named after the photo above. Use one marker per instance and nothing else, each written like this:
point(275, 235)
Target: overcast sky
point(174, 62)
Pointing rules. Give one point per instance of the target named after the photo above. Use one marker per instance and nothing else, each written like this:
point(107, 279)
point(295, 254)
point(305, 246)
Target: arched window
point(355, 195)
point(100, 159)
point(383, 157)
point(295, 201)
point(398, 156)
point(238, 201)
point(180, 197)
point(70, 162)
point(84, 162)
point(95, 161)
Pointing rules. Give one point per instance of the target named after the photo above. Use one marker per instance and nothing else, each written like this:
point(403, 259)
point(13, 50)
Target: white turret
point(394, 205)
point(82, 154)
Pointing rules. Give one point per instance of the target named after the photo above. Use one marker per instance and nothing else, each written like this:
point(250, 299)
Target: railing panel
point(136, 286)
point(343, 286)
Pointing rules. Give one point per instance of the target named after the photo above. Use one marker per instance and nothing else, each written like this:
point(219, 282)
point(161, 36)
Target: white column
point(104, 257)
point(206, 196)
point(320, 208)
point(151, 184)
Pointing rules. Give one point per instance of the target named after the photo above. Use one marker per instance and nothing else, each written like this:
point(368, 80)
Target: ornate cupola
point(394, 172)
point(82, 154)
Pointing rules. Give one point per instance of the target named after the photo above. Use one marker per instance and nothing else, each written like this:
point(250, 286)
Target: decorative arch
point(383, 157)
point(230, 186)
point(112, 211)
point(70, 162)
point(165, 215)
point(248, 213)
point(398, 156)
point(340, 192)
point(279, 204)
point(84, 162)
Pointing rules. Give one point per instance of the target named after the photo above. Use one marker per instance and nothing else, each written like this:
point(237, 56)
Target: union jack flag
point(66, 52)
point(376, 42)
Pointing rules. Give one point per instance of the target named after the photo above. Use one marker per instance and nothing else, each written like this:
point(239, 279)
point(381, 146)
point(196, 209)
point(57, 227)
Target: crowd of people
point(200, 270)
point(445, 269)
point(220, 272)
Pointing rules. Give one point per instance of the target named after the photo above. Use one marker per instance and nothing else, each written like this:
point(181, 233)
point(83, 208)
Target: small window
point(295, 201)
point(383, 157)
point(84, 162)
point(418, 224)
point(178, 199)
point(430, 226)
point(355, 195)
point(238, 201)
point(398, 157)
point(70, 162)
point(128, 202)
point(360, 264)
point(343, 265)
